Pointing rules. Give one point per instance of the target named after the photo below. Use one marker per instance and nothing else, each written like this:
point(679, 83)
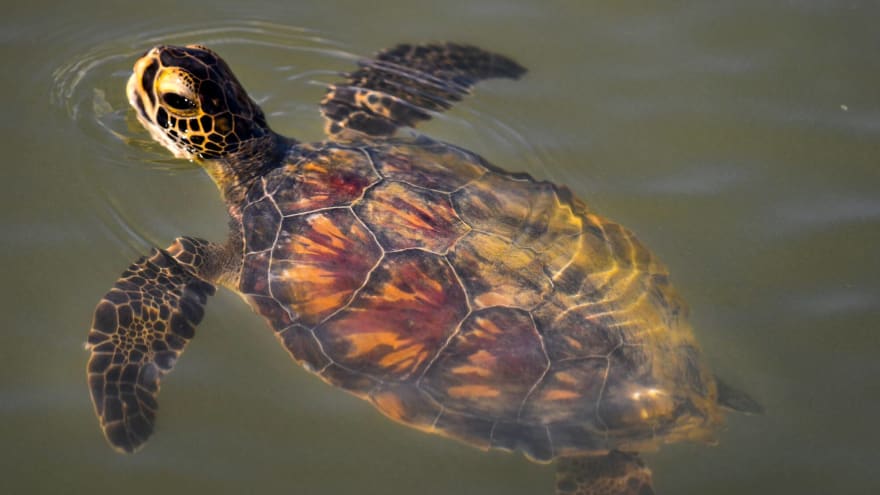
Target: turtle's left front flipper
point(139, 329)
point(402, 85)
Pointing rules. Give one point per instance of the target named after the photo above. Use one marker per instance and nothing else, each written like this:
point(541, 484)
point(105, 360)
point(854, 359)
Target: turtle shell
point(464, 300)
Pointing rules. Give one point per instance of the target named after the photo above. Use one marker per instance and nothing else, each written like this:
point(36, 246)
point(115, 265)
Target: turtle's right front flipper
point(139, 329)
point(403, 84)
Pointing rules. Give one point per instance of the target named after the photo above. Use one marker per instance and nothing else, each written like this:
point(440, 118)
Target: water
point(740, 141)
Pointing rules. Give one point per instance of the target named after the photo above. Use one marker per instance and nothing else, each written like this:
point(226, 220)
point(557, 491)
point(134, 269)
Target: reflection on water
point(738, 141)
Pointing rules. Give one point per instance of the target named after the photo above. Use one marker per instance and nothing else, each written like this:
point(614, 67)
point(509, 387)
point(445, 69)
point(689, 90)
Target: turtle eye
point(178, 102)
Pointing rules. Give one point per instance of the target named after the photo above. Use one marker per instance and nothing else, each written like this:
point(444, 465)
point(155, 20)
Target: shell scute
point(498, 273)
point(568, 394)
point(399, 319)
point(404, 217)
point(589, 264)
point(323, 179)
point(527, 213)
point(304, 347)
point(431, 165)
point(632, 398)
point(475, 430)
point(406, 403)
point(319, 261)
point(262, 219)
point(269, 308)
point(573, 331)
point(352, 380)
point(490, 365)
point(255, 274)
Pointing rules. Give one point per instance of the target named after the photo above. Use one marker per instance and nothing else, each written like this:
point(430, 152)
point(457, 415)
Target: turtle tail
point(737, 400)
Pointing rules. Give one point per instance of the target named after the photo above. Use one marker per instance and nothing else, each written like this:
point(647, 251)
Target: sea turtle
point(456, 297)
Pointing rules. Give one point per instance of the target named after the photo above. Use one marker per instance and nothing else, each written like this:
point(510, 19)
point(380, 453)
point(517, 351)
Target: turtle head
point(191, 103)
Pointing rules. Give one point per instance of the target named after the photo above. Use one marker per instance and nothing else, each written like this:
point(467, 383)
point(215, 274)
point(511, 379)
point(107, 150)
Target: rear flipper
point(617, 473)
point(401, 85)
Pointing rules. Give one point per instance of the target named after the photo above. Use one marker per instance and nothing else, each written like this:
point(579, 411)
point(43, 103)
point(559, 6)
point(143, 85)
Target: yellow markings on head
point(173, 79)
point(176, 90)
point(222, 125)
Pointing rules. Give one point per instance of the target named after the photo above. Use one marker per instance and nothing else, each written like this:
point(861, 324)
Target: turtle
point(458, 298)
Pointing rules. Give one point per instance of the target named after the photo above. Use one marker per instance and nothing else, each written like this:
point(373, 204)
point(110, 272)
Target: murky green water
point(740, 140)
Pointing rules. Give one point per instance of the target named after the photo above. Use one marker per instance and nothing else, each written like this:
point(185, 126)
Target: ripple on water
point(91, 87)
point(287, 78)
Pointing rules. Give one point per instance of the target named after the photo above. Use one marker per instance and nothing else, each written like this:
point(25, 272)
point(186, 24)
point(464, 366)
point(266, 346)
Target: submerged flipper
point(617, 473)
point(401, 85)
point(139, 329)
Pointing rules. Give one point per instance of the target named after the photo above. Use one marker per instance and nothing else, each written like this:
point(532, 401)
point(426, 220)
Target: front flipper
point(617, 473)
point(139, 329)
point(401, 85)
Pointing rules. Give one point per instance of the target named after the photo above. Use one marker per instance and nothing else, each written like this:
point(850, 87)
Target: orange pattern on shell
point(430, 164)
point(498, 355)
point(320, 261)
point(406, 217)
point(399, 319)
point(484, 306)
point(321, 179)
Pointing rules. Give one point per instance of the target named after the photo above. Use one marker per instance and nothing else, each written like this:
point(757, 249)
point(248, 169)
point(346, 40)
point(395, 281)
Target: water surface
point(740, 141)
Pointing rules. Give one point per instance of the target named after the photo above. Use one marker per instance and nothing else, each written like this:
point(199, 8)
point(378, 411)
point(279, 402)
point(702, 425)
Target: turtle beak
point(135, 89)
